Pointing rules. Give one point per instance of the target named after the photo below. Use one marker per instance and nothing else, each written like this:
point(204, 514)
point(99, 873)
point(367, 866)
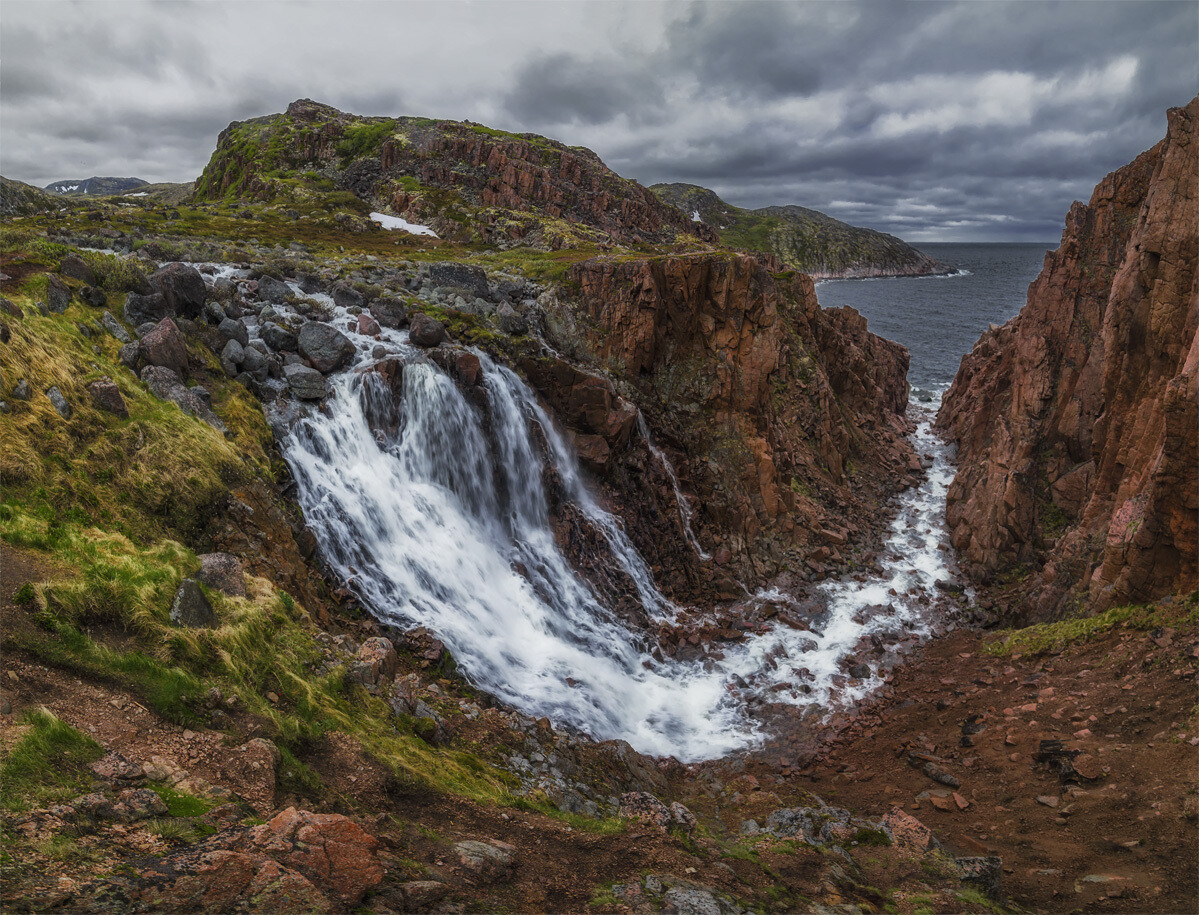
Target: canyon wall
point(785, 422)
point(1076, 420)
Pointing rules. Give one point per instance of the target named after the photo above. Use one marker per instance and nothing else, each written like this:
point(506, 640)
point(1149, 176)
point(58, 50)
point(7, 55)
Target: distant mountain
point(20, 199)
point(97, 186)
point(803, 239)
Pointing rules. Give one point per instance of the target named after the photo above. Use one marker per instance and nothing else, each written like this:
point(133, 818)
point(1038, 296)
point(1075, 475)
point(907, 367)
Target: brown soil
point(1126, 700)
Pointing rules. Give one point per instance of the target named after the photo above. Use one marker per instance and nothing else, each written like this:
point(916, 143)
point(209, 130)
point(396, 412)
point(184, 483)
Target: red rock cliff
point(1076, 421)
point(785, 421)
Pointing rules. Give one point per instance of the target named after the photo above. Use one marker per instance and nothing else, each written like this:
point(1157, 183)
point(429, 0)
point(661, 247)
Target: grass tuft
point(48, 765)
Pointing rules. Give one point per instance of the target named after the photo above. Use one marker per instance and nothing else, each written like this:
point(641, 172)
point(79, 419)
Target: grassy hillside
point(801, 238)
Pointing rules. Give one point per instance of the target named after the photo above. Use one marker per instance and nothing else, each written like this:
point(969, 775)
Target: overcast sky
point(934, 121)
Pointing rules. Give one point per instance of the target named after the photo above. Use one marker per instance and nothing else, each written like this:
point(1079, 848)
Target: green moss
point(1048, 637)
point(364, 139)
point(180, 804)
point(48, 765)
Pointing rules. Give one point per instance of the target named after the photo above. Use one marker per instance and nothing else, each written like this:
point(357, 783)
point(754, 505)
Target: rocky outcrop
point(1075, 421)
point(468, 181)
point(783, 419)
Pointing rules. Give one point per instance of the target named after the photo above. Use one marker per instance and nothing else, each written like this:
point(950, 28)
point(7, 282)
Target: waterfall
point(679, 498)
point(435, 511)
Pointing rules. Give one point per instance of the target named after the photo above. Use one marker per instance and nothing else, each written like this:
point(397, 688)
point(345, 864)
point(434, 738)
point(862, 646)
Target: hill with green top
point(801, 238)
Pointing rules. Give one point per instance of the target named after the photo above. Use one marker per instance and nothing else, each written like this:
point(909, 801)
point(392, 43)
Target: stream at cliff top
point(439, 517)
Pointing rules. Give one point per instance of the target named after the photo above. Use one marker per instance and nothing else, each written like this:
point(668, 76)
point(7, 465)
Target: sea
point(939, 318)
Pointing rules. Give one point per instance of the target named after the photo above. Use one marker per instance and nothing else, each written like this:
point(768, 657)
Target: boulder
point(380, 651)
point(234, 330)
point(907, 832)
point(472, 280)
point(426, 331)
point(77, 269)
point(191, 608)
point(327, 348)
point(166, 347)
point(140, 309)
point(22, 390)
point(331, 850)
point(985, 873)
point(346, 296)
point(222, 572)
point(368, 325)
point(130, 354)
point(107, 396)
point(273, 290)
point(390, 312)
point(305, 383)
point(278, 338)
point(58, 294)
point(183, 289)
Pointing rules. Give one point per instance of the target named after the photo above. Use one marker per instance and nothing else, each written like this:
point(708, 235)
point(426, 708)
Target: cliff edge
point(1075, 421)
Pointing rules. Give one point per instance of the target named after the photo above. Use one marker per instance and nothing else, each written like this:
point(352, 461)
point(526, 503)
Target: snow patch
point(395, 222)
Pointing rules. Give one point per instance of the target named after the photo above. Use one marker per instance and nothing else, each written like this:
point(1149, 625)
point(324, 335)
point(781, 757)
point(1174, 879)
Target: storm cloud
point(931, 120)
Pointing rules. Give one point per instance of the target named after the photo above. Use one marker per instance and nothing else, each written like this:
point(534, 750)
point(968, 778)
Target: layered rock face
point(1076, 421)
point(783, 419)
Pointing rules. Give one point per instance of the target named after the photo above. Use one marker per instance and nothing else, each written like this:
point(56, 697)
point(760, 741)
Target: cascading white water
point(440, 519)
point(685, 511)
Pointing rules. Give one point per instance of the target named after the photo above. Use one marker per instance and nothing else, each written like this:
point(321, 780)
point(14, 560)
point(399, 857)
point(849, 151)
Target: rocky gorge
point(354, 567)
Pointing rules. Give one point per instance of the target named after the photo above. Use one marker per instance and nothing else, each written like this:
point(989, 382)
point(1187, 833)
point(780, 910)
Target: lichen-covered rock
point(58, 294)
point(491, 860)
point(1075, 421)
point(222, 572)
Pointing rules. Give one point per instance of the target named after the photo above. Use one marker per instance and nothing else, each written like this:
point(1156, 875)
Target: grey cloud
point(767, 103)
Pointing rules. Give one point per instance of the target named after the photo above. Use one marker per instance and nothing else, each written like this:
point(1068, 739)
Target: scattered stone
point(327, 348)
point(907, 832)
point(222, 572)
point(492, 860)
point(425, 331)
point(113, 326)
point(130, 355)
point(422, 895)
point(986, 873)
point(107, 396)
point(368, 325)
point(191, 608)
point(59, 402)
point(305, 383)
point(1047, 800)
point(115, 767)
point(22, 390)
